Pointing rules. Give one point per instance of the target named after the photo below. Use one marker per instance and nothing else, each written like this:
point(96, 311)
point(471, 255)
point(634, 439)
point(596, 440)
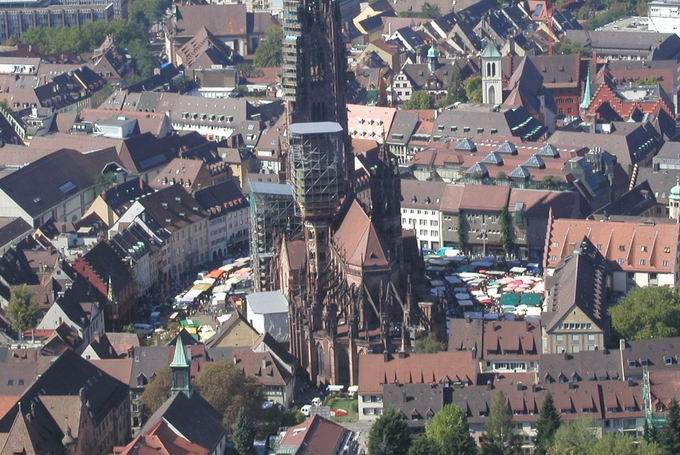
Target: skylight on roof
point(67, 187)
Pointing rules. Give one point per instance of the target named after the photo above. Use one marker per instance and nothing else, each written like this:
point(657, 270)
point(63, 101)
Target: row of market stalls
point(483, 288)
point(211, 297)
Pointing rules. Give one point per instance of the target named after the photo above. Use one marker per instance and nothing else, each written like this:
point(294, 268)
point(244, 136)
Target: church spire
point(587, 93)
point(181, 369)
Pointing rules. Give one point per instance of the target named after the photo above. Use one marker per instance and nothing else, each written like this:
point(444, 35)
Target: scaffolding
point(272, 214)
point(316, 168)
point(292, 32)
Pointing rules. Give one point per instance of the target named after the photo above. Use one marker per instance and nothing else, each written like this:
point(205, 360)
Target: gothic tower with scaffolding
point(344, 275)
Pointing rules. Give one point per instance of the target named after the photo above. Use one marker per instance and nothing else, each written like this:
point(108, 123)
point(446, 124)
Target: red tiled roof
point(314, 436)
point(358, 239)
point(629, 245)
point(374, 370)
point(484, 197)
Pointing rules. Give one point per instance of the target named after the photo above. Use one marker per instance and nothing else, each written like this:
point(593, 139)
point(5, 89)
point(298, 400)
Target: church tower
point(314, 62)
point(181, 369)
point(492, 83)
point(674, 202)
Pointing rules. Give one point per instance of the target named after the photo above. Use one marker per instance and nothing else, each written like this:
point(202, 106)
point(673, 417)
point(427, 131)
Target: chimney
point(572, 385)
point(520, 386)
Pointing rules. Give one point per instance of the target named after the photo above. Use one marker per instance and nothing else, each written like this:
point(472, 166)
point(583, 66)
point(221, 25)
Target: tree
point(270, 50)
point(619, 444)
point(420, 99)
point(499, 438)
point(422, 445)
point(670, 435)
point(547, 426)
point(650, 434)
point(450, 432)
point(462, 232)
point(573, 438)
point(430, 344)
point(644, 313)
point(389, 435)
point(431, 11)
point(569, 47)
point(473, 89)
point(455, 91)
point(22, 312)
point(156, 392)
point(228, 389)
point(147, 12)
point(243, 433)
point(506, 230)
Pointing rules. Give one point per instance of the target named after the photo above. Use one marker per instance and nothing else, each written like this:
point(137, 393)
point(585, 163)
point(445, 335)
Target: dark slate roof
point(61, 175)
point(121, 196)
point(579, 281)
point(580, 366)
point(12, 229)
point(417, 402)
point(219, 199)
point(193, 417)
point(635, 202)
point(661, 353)
point(403, 126)
point(172, 208)
point(148, 361)
point(67, 375)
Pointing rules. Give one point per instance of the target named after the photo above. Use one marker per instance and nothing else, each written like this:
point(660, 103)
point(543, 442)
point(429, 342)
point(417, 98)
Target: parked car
point(146, 329)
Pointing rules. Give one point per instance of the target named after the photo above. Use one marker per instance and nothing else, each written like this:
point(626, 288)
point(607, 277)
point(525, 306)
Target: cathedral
point(347, 275)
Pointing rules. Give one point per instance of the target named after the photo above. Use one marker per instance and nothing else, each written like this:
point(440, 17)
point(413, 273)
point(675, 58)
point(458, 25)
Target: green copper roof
point(587, 94)
point(491, 51)
point(180, 359)
point(432, 52)
point(675, 192)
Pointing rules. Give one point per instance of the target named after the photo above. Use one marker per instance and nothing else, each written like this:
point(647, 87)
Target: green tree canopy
point(423, 445)
point(618, 444)
point(644, 313)
point(156, 392)
point(76, 40)
point(430, 344)
point(243, 433)
point(147, 12)
point(498, 437)
point(455, 91)
point(420, 99)
point(670, 435)
point(569, 47)
point(431, 11)
point(449, 430)
point(228, 390)
point(506, 230)
point(389, 435)
point(573, 438)
point(270, 50)
point(547, 426)
point(22, 312)
point(473, 89)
